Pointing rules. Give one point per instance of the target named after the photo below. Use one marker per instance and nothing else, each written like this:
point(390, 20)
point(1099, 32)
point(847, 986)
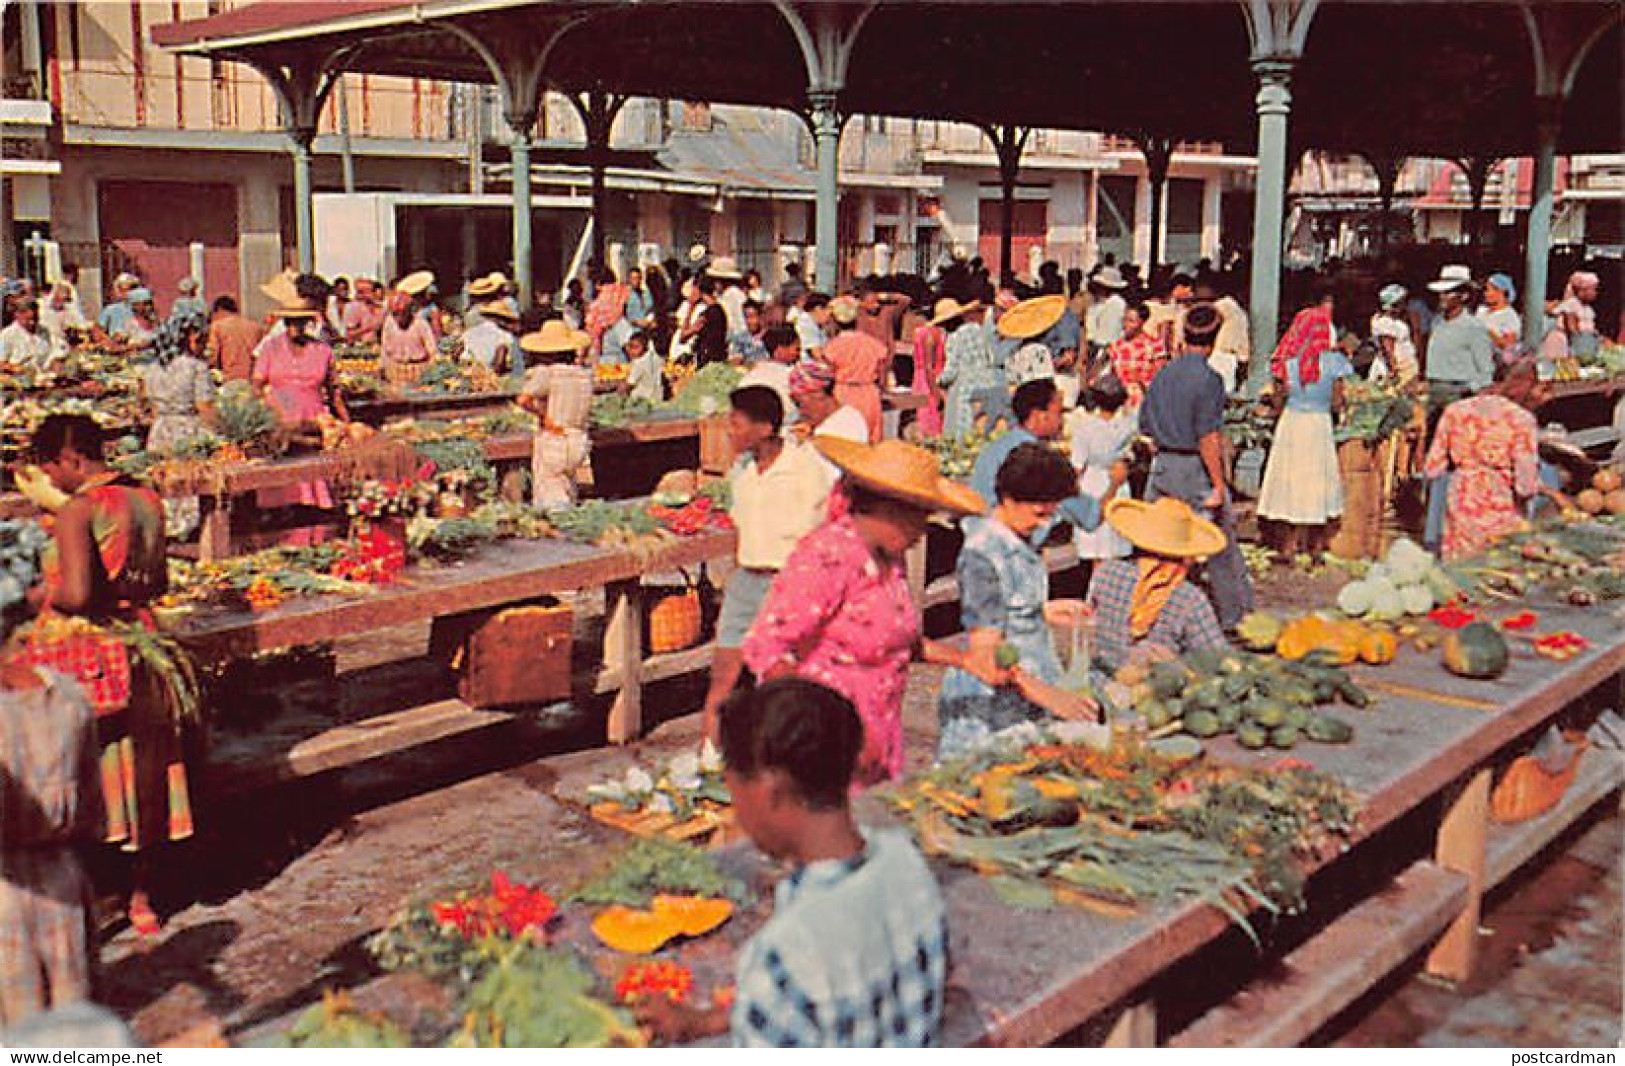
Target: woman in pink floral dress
point(1490, 444)
point(840, 611)
point(294, 374)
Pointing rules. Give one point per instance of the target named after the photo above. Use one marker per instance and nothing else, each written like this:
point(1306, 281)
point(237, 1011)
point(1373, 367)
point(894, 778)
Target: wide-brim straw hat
point(948, 309)
point(724, 268)
point(1451, 277)
point(844, 309)
point(1029, 318)
point(489, 285)
point(554, 337)
point(281, 290)
point(1109, 277)
point(416, 283)
point(902, 472)
point(499, 309)
point(1168, 527)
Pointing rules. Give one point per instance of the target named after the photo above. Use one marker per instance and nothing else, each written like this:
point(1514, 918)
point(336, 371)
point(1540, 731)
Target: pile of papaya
point(1337, 640)
point(1265, 701)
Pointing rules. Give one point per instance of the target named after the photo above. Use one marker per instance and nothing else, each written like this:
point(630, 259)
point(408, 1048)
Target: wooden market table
point(1429, 738)
point(377, 410)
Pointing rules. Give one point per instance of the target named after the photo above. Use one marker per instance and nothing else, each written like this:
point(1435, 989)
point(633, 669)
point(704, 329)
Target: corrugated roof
point(737, 158)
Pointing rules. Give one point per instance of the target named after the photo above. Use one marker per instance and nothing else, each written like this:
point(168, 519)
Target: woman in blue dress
point(1303, 487)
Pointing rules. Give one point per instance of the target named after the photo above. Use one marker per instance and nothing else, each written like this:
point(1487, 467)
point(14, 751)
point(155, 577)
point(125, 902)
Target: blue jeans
point(1438, 504)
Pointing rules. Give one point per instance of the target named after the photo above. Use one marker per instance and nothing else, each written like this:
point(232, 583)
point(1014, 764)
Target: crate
point(502, 658)
point(716, 450)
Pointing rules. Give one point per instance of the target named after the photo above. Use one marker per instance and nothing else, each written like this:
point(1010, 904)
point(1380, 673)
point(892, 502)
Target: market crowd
point(1095, 404)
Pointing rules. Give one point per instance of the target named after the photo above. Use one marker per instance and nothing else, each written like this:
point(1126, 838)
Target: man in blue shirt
point(856, 952)
point(1183, 414)
point(116, 315)
point(1037, 406)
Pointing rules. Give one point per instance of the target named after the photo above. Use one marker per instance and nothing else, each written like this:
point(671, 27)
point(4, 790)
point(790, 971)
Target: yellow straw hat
point(489, 285)
point(1168, 527)
point(499, 309)
point(416, 283)
point(902, 472)
point(948, 309)
point(555, 336)
point(280, 289)
point(1029, 318)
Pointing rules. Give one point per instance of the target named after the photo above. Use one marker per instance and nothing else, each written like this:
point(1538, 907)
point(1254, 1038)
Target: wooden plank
point(1461, 847)
point(656, 668)
point(1136, 1026)
point(1511, 846)
point(355, 742)
point(1336, 966)
point(625, 629)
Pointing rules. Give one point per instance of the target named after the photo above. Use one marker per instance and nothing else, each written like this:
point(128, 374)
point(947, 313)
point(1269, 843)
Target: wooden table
point(1030, 977)
point(376, 411)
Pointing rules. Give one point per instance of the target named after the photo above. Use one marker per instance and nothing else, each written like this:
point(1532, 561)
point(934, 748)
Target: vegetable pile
point(1408, 581)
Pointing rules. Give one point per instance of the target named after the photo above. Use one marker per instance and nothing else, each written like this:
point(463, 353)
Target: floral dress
point(175, 390)
point(1003, 585)
point(294, 376)
point(971, 367)
point(1135, 361)
point(844, 618)
point(1492, 446)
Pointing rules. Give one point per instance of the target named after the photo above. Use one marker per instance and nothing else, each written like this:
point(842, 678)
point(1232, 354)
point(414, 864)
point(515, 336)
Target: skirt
point(1302, 483)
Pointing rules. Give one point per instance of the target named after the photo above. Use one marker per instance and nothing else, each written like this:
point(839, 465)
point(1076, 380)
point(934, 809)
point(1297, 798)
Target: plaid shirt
point(1136, 361)
point(1186, 624)
point(855, 955)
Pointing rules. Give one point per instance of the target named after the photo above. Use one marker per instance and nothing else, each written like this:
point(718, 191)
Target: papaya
point(1202, 724)
point(1476, 650)
point(1271, 714)
point(1378, 648)
point(1168, 680)
point(1328, 730)
point(1284, 737)
point(1252, 736)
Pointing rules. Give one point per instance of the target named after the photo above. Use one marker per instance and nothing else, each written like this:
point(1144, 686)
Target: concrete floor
point(272, 904)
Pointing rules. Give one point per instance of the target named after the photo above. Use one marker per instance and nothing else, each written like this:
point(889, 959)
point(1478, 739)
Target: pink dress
point(930, 354)
point(1492, 445)
point(846, 620)
point(293, 377)
point(858, 360)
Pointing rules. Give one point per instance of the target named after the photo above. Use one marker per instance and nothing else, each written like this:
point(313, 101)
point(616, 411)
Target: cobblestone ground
point(272, 904)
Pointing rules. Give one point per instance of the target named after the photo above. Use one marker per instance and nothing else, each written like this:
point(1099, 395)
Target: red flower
point(1451, 617)
point(646, 979)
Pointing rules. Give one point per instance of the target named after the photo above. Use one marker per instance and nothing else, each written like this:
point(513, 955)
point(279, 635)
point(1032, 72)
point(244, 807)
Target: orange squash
point(1378, 648)
point(695, 915)
point(636, 932)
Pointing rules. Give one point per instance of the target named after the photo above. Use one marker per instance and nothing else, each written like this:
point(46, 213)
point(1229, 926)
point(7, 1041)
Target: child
point(1101, 434)
point(855, 954)
point(646, 378)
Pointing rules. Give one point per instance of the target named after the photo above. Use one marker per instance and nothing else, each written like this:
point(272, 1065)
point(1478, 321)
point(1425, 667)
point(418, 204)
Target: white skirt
point(1302, 484)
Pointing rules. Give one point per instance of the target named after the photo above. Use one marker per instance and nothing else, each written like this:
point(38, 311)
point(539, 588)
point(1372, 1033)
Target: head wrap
point(1393, 295)
point(1504, 283)
point(1308, 336)
point(1577, 281)
point(811, 375)
point(139, 296)
point(174, 337)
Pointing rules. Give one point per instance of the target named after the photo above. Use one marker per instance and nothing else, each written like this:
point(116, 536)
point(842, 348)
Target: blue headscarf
point(1504, 283)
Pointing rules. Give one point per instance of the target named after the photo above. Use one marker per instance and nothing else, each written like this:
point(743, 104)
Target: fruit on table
point(1378, 648)
point(695, 915)
point(1590, 501)
point(1260, 630)
point(636, 932)
point(1607, 480)
point(1614, 502)
point(1476, 650)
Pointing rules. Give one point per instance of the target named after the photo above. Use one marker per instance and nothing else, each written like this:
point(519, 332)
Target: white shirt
point(647, 377)
point(1404, 349)
point(1234, 339)
point(1031, 362)
point(1105, 323)
point(773, 510)
point(485, 340)
point(55, 324)
point(808, 331)
point(847, 423)
point(1224, 364)
point(22, 348)
point(774, 375)
point(732, 300)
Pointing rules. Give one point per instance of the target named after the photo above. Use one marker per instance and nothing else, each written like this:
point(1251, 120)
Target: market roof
point(1431, 78)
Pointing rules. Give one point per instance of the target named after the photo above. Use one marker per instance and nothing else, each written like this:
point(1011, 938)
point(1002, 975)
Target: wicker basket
point(674, 622)
point(1527, 790)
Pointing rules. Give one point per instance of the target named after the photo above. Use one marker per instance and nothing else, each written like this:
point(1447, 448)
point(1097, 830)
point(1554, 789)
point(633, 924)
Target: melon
point(1590, 501)
point(1615, 502)
point(1476, 650)
point(1607, 480)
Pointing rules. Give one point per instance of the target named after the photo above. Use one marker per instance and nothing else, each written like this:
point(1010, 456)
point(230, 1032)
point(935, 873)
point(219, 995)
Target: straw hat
point(948, 309)
point(416, 283)
point(1029, 318)
point(724, 268)
point(1109, 277)
point(1168, 527)
point(902, 472)
point(280, 290)
point(1451, 277)
point(489, 285)
point(499, 309)
point(554, 337)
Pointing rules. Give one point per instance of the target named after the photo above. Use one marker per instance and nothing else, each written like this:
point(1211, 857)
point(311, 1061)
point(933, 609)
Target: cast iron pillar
point(1537, 248)
point(826, 124)
point(1274, 104)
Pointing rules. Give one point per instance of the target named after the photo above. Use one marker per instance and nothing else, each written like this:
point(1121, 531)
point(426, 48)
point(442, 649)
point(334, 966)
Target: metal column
point(523, 282)
point(1538, 246)
point(826, 121)
point(1274, 104)
point(303, 209)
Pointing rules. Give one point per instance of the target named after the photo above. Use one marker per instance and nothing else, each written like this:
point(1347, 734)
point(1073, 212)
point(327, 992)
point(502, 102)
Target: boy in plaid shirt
point(856, 953)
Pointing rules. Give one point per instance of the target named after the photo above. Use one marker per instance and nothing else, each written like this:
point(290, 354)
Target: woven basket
point(674, 622)
point(1528, 791)
point(716, 449)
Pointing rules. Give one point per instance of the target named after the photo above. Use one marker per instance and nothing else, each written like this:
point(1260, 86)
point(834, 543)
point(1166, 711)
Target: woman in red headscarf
point(1303, 487)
